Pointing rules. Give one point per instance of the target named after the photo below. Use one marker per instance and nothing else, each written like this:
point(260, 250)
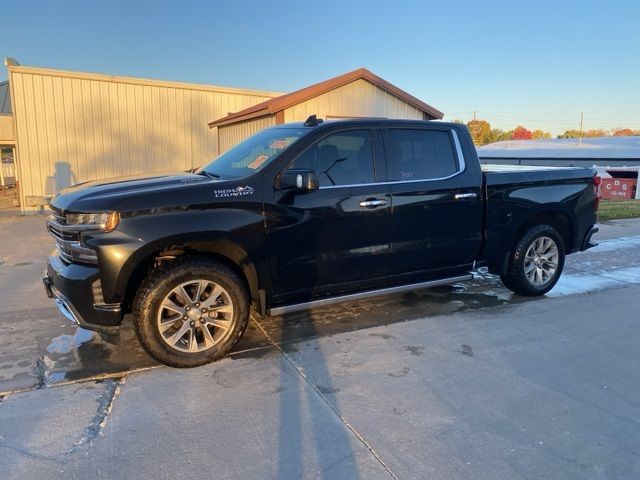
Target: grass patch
point(614, 209)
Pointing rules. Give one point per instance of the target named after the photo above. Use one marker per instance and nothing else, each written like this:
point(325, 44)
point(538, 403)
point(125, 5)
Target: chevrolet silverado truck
point(301, 216)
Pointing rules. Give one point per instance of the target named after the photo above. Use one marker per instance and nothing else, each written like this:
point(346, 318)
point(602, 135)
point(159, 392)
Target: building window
point(7, 167)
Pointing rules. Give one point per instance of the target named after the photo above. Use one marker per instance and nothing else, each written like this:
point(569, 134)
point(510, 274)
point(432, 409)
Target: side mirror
point(299, 179)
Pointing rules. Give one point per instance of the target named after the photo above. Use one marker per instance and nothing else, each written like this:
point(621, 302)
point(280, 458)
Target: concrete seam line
point(92, 431)
point(99, 419)
point(324, 399)
point(93, 378)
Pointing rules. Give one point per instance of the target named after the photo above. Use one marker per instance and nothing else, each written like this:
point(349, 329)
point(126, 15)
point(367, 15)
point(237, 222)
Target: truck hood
point(128, 193)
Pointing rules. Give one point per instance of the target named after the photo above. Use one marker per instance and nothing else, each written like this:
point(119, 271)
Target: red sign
point(618, 188)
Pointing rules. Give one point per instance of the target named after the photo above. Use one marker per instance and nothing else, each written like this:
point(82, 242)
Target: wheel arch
point(557, 218)
point(220, 249)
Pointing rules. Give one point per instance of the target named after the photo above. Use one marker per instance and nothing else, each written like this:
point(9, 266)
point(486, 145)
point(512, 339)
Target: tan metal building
point(70, 127)
point(359, 93)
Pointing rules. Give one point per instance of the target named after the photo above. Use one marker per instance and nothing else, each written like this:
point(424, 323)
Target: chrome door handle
point(465, 196)
point(373, 203)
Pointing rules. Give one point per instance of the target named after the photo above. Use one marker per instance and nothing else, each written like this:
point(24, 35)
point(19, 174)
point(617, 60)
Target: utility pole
point(475, 131)
point(580, 138)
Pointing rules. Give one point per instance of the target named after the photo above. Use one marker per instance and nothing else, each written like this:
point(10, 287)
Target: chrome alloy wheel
point(541, 261)
point(195, 316)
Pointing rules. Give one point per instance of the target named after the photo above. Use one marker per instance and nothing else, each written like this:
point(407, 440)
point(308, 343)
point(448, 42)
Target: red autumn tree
point(623, 132)
point(521, 133)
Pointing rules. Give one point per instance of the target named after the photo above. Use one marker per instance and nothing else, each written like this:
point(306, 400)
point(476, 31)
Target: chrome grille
point(61, 234)
point(67, 238)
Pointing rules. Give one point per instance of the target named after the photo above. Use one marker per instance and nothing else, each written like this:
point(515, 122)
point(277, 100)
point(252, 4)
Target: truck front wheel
point(536, 263)
point(190, 312)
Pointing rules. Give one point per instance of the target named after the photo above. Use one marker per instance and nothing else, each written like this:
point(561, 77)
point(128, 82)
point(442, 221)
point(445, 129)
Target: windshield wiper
point(208, 174)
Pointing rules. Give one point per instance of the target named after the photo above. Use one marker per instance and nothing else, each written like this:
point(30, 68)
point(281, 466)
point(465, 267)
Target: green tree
point(540, 134)
point(570, 134)
point(480, 131)
point(585, 134)
point(596, 133)
point(498, 135)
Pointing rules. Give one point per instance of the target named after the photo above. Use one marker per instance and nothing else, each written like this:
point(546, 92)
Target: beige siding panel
point(73, 128)
point(7, 133)
point(356, 99)
point(230, 135)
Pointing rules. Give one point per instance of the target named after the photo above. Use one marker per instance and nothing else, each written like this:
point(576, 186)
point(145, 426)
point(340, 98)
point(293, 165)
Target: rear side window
point(419, 154)
point(342, 158)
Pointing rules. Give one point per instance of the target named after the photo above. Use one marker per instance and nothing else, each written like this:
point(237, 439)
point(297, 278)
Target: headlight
point(104, 221)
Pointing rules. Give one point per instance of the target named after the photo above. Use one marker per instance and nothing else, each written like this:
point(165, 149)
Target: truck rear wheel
point(190, 312)
point(536, 263)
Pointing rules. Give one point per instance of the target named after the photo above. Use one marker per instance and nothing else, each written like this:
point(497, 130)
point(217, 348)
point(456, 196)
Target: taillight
point(596, 188)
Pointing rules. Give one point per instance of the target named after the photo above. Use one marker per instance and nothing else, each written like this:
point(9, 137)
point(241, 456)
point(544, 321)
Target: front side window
point(342, 158)
point(419, 154)
point(254, 153)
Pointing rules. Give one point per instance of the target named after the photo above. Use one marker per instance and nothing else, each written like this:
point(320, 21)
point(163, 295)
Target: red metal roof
point(278, 104)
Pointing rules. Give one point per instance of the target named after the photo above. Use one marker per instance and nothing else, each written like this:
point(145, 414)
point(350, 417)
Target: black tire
point(160, 283)
point(515, 278)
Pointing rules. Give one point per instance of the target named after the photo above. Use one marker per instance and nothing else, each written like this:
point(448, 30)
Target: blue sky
point(536, 63)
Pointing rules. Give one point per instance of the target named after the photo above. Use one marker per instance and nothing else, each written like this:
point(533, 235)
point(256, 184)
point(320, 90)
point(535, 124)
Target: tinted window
point(342, 158)
point(419, 154)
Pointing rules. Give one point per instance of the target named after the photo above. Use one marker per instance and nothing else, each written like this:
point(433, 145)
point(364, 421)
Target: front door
point(437, 203)
point(339, 235)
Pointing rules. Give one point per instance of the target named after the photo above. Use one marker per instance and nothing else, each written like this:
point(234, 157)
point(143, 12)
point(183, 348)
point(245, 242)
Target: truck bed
point(495, 175)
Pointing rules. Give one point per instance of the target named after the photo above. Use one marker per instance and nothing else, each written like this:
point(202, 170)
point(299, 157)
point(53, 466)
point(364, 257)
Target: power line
point(567, 113)
point(597, 121)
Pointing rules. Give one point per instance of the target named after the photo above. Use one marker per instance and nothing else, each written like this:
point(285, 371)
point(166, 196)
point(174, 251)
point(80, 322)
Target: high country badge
point(234, 192)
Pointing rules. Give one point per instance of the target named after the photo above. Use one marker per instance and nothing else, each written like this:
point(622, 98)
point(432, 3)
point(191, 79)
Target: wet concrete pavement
point(39, 348)
point(546, 389)
point(466, 381)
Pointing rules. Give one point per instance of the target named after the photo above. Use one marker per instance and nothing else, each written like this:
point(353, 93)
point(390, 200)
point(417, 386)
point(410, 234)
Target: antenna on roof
point(312, 121)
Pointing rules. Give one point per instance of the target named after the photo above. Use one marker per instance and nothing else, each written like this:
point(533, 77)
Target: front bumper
point(75, 288)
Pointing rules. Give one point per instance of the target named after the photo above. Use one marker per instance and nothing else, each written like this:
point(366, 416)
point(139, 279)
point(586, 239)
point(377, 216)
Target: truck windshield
point(252, 154)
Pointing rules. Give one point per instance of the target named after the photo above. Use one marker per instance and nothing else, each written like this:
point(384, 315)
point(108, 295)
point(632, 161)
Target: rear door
point(437, 201)
point(339, 235)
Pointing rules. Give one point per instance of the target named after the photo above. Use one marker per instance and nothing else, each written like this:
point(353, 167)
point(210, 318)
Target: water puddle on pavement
point(65, 343)
point(84, 354)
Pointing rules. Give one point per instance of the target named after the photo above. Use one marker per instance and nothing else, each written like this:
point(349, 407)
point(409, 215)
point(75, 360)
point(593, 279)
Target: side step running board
point(368, 294)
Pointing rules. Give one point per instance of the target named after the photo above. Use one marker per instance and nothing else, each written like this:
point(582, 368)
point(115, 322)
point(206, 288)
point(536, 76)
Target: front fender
point(240, 234)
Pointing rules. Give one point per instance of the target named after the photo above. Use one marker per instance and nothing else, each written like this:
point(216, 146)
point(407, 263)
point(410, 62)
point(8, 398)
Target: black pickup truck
point(300, 216)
